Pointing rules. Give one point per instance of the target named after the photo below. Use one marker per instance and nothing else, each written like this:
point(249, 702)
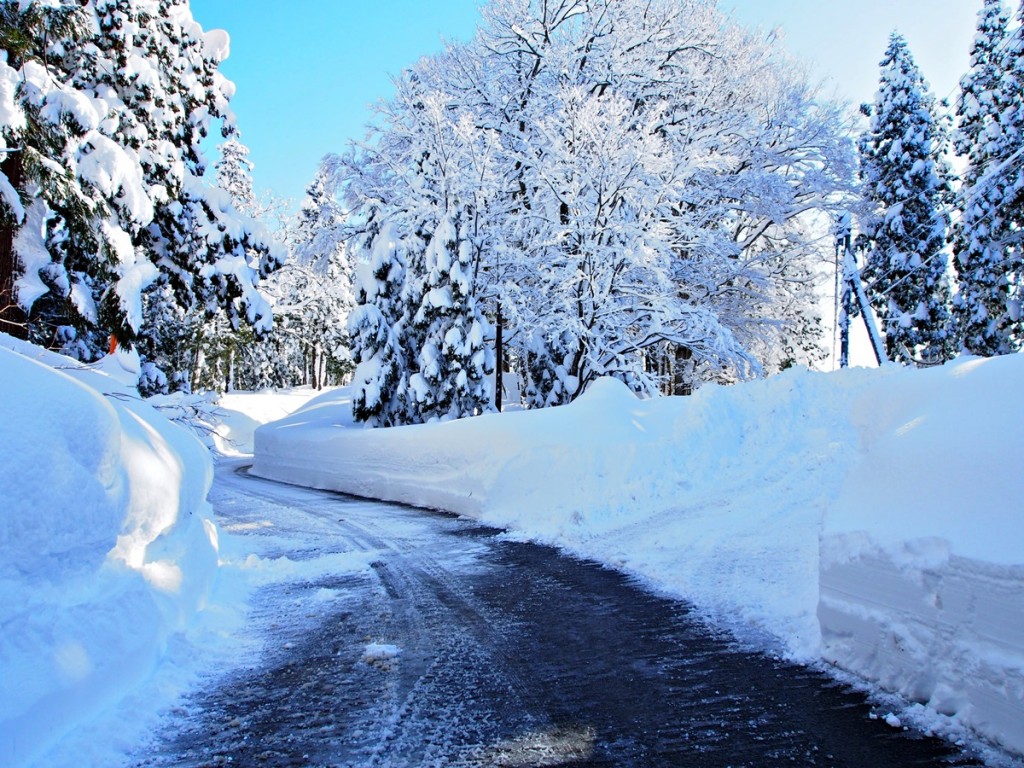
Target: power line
point(948, 212)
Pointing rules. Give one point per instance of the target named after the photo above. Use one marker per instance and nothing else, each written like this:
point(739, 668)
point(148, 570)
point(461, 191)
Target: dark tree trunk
point(680, 384)
point(13, 319)
point(314, 368)
point(499, 357)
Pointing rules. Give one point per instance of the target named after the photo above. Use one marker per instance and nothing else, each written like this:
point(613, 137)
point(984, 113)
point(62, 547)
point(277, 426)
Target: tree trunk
point(314, 367)
point(199, 361)
point(13, 319)
point(681, 385)
point(499, 357)
point(664, 370)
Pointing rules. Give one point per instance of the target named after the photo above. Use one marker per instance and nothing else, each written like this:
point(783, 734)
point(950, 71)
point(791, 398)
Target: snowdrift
point(238, 414)
point(868, 517)
point(107, 546)
point(922, 551)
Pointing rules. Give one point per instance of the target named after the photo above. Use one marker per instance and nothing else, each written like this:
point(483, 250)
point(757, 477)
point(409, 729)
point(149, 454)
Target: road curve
point(459, 646)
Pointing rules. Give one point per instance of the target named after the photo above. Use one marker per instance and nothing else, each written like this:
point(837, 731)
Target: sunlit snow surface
point(866, 517)
point(118, 593)
point(108, 552)
point(858, 516)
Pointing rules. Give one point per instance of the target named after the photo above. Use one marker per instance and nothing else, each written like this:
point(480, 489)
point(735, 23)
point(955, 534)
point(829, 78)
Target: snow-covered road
point(383, 635)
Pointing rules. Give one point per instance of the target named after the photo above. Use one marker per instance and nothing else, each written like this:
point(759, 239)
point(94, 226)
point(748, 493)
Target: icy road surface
point(432, 641)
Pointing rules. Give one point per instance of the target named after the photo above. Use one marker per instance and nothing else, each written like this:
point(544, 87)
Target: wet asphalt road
point(508, 654)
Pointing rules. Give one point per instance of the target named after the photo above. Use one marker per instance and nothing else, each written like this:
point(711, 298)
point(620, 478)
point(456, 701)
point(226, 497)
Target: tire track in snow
point(508, 654)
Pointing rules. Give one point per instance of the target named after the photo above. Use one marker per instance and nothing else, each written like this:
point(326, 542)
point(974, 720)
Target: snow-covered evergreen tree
point(112, 202)
point(437, 331)
point(546, 380)
point(197, 346)
point(234, 174)
point(317, 283)
point(1012, 126)
point(49, 206)
point(380, 381)
point(453, 363)
point(990, 136)
point(216, 345)
point(906, 182)
point(320, 227)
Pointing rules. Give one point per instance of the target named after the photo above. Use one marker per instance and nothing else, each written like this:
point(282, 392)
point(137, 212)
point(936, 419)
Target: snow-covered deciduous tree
point(986, 237)
point(906, 182)
point(111, 101)
point(634, 180)
point(599, 252)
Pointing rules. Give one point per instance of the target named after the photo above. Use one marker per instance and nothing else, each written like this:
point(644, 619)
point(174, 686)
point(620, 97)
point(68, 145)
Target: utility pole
point(844, 295)
point(853, 288)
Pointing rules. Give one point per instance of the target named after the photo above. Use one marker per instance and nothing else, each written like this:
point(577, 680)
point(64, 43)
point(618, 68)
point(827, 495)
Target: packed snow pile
point(870, 517)
point(922, 550)
point(240, 413)
point(107, 545)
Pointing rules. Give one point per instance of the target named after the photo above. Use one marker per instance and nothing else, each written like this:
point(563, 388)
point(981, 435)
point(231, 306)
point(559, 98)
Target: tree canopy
point(631, 180)
point(105, 103)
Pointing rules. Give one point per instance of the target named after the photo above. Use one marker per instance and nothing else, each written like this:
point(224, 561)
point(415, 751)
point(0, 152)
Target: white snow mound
point(868, 517)
point(107, 546)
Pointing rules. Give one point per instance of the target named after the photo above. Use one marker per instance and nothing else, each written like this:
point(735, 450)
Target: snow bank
point(785, 506)
point(107, 549)
point(706, 497)
point(240, 413)
point(922, 555)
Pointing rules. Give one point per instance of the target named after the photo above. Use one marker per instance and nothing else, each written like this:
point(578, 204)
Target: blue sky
point(306, 70)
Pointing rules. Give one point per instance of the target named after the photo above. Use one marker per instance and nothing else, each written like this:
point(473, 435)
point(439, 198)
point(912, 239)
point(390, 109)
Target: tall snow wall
point(107, 544)
point(921, 577)
point(868, 517)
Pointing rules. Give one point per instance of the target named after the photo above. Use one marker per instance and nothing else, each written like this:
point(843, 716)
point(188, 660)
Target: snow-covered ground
point(240, 413)
point(108, 551)
point(118, 593)
point(868, 517)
